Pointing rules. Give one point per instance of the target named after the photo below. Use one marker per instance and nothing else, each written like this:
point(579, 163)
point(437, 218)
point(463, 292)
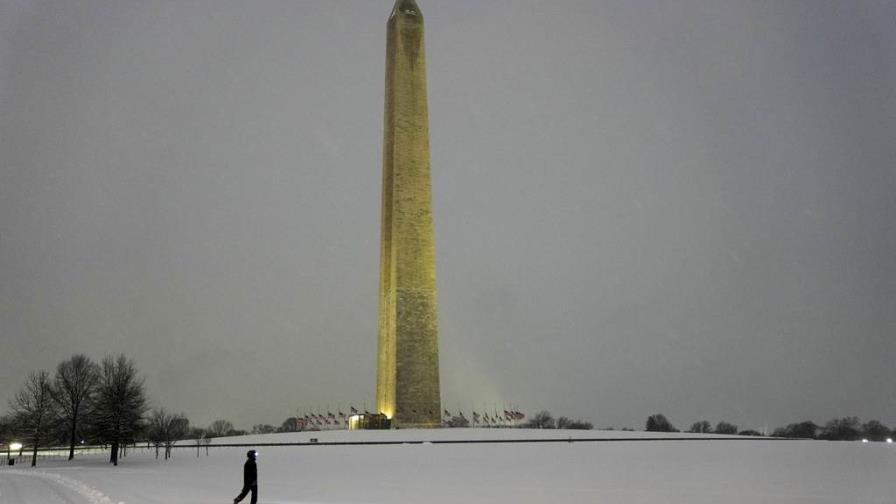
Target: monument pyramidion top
point(405, 8)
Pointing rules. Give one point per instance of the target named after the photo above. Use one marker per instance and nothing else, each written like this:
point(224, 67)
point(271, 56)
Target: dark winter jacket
point(250, 473)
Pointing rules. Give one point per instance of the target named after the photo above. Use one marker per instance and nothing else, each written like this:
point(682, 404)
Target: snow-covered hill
point(676, 472)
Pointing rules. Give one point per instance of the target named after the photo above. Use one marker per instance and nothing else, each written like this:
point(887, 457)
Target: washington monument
point(407, 388)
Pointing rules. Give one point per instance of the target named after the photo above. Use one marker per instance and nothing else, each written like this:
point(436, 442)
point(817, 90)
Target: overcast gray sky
point(683, 207)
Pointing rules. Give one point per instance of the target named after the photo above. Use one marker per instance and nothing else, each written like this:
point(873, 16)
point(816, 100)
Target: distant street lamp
point(13, 447)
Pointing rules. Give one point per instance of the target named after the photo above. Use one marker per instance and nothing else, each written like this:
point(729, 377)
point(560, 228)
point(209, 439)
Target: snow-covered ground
point(631, 472)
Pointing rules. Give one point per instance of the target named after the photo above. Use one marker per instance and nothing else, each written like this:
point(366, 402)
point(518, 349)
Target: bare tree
point(220, 428)
point(7, 429)
point(155, 428)
point(806, 429)
point(34, 410)
point(75, 383)
point(287, 426)
point(875, 431)
point(568, 423)
point(701, 427)
point(291, 424)
point(841, 429)
point(165, 429)
point(120, 403)
point(659, 423)
point(178, 428)
point(541, 420)
point(725, 428)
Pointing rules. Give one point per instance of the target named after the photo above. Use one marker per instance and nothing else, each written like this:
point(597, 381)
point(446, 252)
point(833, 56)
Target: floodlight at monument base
point(15, 446)
point(369, 421)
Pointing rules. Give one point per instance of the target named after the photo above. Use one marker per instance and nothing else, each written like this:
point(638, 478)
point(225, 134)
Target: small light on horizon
point(890, 440)
point(864, 440)
point(15, 446)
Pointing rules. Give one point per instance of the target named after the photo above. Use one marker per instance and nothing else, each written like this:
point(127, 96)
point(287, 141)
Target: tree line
point(96, 403)
point(103, 402)
point(837, 429)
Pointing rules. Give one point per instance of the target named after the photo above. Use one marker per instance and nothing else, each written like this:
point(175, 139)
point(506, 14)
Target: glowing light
point(15, 446)
point(864, 440)
point(890, 440)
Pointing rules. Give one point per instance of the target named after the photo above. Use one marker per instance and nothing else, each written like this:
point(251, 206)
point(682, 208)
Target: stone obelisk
point(407, 388)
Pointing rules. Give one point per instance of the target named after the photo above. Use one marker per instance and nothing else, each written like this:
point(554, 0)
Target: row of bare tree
point(104, 402)
point(837, 429)
point(101, 403)
point(544, 420)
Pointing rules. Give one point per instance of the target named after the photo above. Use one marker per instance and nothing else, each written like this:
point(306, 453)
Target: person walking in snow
point(250, 479)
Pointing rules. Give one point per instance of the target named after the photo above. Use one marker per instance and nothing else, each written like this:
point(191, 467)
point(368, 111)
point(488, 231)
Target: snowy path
point(21, 487)
point(18, 488)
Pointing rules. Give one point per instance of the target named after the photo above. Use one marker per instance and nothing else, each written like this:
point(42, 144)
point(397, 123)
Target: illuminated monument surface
point(407, 389)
